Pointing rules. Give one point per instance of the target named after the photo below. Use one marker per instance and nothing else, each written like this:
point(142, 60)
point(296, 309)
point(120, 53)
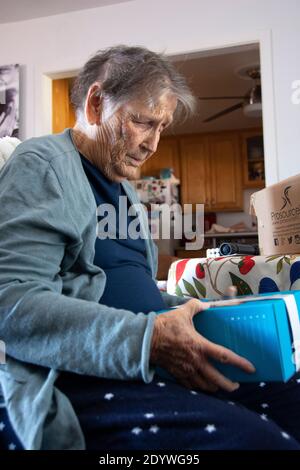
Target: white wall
point(63, 43)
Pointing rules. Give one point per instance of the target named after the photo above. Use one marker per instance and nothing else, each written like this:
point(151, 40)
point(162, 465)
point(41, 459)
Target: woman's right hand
point(186, 354)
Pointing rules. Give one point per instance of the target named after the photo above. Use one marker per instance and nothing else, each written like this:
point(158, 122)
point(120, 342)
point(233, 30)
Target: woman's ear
point(93, 104)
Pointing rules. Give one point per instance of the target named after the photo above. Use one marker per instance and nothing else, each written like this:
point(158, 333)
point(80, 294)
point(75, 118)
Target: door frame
point(44, 76)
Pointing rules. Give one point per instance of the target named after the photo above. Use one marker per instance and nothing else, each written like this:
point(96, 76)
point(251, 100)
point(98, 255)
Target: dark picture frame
point(9, 100)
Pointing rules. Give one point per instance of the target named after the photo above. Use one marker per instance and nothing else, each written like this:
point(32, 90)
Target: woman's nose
point(152, 140)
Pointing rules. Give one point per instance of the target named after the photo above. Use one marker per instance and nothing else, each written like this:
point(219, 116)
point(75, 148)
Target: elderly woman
point(78, 312)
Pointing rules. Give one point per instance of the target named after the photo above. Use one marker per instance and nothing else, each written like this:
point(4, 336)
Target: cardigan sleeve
point(38, 323)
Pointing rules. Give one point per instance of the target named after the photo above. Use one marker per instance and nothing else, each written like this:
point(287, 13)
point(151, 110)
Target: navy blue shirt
point(129, 282)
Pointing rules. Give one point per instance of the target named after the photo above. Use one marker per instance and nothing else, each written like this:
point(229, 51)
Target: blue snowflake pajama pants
point(117, 415)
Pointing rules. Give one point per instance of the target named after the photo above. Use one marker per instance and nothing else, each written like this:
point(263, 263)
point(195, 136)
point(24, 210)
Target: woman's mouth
point(134, 161)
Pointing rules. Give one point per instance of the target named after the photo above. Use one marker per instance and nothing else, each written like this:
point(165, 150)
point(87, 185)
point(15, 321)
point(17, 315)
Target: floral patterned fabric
point(210, 277)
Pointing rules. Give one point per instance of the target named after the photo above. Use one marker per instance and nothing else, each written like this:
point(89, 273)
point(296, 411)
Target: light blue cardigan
point(51, 318)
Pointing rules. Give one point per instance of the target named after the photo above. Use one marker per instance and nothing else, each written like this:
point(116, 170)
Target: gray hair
point(130, 72)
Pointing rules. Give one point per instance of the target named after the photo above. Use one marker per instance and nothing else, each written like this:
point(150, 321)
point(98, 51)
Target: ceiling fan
point(251, 101)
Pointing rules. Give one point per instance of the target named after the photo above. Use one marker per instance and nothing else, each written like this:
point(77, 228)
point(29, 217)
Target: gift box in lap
point(264, 331)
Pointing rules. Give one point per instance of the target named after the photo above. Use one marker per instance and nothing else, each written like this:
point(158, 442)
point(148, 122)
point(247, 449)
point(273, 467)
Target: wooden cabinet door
point(194, 170)
point(63, 115)
point(166, 156)
point(252, 148)
point(225, 172)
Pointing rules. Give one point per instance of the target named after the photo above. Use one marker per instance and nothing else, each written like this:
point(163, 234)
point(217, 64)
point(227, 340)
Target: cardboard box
point(277, 208)
point(264, 331)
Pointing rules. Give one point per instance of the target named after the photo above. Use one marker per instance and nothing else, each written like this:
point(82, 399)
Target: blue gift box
point(264, 331)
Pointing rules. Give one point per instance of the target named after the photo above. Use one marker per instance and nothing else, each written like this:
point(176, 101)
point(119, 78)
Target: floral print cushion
point(210, 277)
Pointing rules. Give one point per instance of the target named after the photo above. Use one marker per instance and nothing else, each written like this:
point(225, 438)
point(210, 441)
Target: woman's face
point(131, 135)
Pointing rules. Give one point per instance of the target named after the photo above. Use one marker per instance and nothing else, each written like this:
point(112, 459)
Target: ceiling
point(20, 10)
point(214, 74)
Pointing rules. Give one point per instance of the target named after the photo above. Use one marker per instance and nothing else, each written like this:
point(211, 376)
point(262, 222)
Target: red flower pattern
point(180, 267)
point(246, 264)
point(200, 273)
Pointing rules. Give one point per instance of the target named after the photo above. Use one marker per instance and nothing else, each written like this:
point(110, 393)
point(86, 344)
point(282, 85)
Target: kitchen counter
point(212, 240)
point(228, 235)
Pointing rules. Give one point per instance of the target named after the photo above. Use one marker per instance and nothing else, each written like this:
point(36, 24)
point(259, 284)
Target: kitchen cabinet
point(195, 186)
point(211, 171)
point(225, 173)
point(63, 114)
point(166, 156)
point(252, 148)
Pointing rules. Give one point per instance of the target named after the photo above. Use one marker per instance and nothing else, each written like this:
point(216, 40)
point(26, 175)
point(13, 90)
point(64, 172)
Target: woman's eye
point(143, 123)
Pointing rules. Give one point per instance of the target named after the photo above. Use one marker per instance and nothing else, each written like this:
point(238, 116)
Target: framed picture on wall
point(9, 100)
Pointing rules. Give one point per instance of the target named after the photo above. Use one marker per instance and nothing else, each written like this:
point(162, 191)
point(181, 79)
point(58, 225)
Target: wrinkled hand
point(186, 354)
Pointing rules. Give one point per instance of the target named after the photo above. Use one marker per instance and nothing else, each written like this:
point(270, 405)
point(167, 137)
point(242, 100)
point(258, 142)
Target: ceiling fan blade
point(225, 111)
point(220, 97)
